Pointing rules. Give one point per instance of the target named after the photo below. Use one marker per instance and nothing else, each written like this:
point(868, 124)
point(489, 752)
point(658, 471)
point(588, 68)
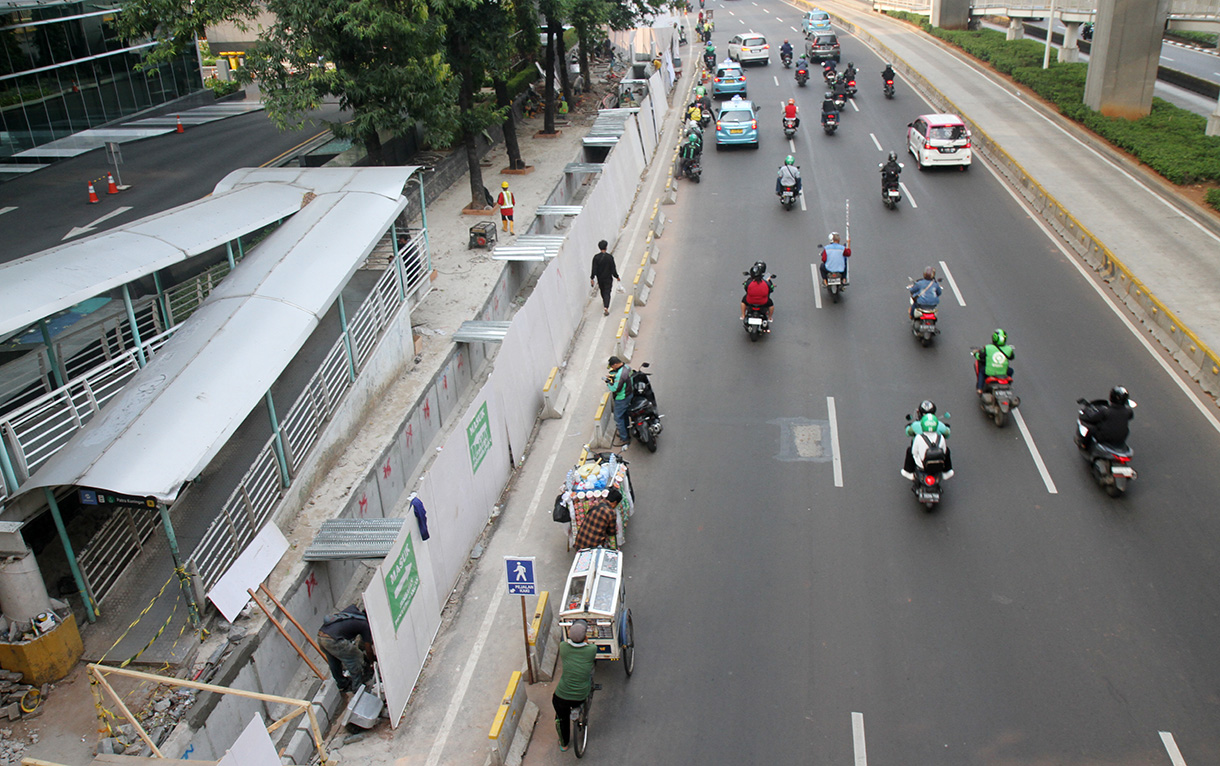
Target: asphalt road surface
point(163, 172)
point(783, 618)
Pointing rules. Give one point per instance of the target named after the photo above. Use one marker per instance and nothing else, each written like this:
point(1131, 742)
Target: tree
point(475, 30)
point(587, 16)
point(380, 58)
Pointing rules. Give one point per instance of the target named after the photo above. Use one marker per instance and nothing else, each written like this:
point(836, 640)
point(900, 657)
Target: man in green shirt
point(619, 383)
point(576, 681)
point(993, 360)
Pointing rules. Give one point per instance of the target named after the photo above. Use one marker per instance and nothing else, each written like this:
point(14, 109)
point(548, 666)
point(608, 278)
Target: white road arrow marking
point(79, 230)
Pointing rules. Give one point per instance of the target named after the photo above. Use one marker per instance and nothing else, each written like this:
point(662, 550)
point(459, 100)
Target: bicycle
point(580, 723)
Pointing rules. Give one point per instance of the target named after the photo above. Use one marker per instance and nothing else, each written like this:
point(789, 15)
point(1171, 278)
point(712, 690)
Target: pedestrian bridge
point(1201, 15)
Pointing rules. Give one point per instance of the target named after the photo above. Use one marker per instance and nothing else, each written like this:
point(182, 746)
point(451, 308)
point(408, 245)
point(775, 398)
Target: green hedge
point(1205, 39)
point(1213, 198)
point(1170, 140)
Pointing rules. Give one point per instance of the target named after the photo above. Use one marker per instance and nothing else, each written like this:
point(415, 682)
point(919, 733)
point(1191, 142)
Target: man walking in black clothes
point(603, 274)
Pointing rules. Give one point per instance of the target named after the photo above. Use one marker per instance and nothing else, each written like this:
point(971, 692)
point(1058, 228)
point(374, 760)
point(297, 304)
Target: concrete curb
point(1199, 361)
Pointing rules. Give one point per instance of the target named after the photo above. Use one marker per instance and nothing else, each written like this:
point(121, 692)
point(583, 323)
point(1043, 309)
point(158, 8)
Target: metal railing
point(1207, 10)
point(253, 502)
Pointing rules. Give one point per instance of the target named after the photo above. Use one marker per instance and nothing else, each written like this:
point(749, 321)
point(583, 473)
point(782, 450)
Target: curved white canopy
point(176, 414)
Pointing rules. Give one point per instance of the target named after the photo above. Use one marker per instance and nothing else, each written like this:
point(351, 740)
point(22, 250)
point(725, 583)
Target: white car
point(749, 46)
point(939, 139)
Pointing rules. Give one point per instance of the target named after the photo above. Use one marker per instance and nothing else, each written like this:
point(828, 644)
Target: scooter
point(787, 197)
point(840, 99)
point(1111, 465)
point(889, 88)
point(830, 122)
point(642, 416)
point(789, 127)
point(850, 87)
point(836, 281)
point(891, 192)
point(693, 170)
point(756, 322)
point(923, 325)
point(829, 75)
point(802, 76)
point(929, 455)
point(997, 399)
point(786, 59)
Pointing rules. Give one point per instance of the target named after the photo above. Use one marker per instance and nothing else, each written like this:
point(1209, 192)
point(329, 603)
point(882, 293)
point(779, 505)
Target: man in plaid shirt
point(599, 524)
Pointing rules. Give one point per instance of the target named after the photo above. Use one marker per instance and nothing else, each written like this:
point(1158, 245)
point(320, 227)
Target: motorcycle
point(802, 76)
point(693, 170)
point(923, 323)
point(1111, 465)
point(891, 192)
point(642, 416)
point(850, 87)
point(830, 123)
point(930, 455)
point(889, 88)
point(787, 197)
point(789, 127)
point(756, 322)
point(709, 61)
point(997, 399)
point(840, 99)
point(830, 76)
point(786, 60)
point(835, 283)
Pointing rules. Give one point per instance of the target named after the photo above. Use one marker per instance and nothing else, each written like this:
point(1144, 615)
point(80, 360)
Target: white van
point(939, 139)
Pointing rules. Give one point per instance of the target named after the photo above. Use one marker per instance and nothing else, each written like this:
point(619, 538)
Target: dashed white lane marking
point(876, 143)
point(777, 18)
point(1033, 451)
point(944, 268)
point(817, 283)
point(1105, 296)
point(857, 739)
point(791, 146)
point(1166, 58)
point(1171, 747)
point(776, 78)
point(852, 101)
point(910, 199)
point(793, 29)
point(4, 210)
point(837, 460)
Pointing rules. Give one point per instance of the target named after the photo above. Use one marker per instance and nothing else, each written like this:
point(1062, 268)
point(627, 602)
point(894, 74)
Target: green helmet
point(789, 161)
point(929, 424)
point(693, 138)
point(999, 337)
point(710, 48)
point(700, 91)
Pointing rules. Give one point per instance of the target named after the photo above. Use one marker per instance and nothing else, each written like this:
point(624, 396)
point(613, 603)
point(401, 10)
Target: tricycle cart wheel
point(627, 639)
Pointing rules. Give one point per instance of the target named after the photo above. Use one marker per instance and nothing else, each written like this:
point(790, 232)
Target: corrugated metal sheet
point(341, 539)
point(481, 332)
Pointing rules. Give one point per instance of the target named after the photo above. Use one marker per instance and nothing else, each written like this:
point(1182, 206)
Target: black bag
point(934, 458)
point(491, 201)
point(560, 512)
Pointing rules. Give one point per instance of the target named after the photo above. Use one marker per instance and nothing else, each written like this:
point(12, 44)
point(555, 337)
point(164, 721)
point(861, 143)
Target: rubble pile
point(12, 692)
point(159, 717)
point(12, 750)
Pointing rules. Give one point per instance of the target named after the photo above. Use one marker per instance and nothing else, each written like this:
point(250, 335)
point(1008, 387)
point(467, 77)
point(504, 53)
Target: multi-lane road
point(793, 603)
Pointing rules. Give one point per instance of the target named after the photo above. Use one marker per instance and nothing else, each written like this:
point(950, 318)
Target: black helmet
point(926, 407)
point(1119, 396)
point(893, 156)
point(758, 269)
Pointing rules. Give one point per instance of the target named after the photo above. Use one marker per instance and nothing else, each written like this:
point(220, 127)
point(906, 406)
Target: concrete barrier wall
point(1195, 357)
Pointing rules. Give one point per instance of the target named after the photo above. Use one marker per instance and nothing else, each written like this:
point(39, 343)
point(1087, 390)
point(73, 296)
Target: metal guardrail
point(1182, 10)
point(253, 502)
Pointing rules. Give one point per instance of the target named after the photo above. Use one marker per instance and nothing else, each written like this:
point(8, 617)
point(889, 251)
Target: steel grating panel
point(342, 539)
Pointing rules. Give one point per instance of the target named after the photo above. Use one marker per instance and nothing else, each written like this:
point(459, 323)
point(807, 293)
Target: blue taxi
point(737, 123)
point(728, 80)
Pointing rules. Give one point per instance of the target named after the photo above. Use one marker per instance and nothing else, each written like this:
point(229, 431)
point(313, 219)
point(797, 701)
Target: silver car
point(749, 46)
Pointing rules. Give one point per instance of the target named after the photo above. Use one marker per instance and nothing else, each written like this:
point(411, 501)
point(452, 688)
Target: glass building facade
point(63, 69)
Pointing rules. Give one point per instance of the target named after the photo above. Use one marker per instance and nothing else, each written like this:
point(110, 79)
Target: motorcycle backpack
point(934, 458)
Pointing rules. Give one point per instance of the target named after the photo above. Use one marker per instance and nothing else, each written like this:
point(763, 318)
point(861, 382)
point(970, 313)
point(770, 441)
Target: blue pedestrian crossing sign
point(521, 576)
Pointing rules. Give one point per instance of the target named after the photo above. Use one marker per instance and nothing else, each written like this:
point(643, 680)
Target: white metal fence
point(253, 502)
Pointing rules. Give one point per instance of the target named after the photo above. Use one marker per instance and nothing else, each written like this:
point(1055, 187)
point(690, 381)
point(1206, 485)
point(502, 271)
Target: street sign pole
point(525, 629)
point(522, 581)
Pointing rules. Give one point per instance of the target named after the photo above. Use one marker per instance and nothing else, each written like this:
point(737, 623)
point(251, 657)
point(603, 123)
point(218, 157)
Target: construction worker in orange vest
point(505, 201)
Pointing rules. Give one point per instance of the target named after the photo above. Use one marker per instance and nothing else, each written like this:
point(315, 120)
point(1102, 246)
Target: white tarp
point(252, 748)
point(176, 414)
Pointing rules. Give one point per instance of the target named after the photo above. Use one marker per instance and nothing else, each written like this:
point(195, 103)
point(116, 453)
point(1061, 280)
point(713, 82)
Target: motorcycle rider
point(758, 287)
point(926, 407)
point(695, 112)
point(849, 73)
point(834, 258)
point(709, 56)
point(785, 50)
point(887, 74)
point(840, 90)
point(925, 293)
point(829, 65)
point(701, 98)
point(790, 111)
point(789, 175)
point(890, 171)
point(994, 359)
point(925, 435)
point(828, 106)
point(802, 65)
point(1107, 423)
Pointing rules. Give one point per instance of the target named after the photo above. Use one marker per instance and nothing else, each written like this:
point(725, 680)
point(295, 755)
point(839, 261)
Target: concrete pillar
point(23, 594)
point(1068, 52)
point(1126, 52)
point(950, 14)
point(1213, 122)
point(1016, 29)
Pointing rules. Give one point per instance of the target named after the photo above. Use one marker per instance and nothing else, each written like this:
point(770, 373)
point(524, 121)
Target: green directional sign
point(401, 582)
point(478, 438)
